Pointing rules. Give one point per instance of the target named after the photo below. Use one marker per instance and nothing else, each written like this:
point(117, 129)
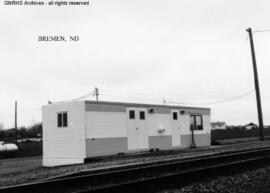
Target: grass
point(29, 169)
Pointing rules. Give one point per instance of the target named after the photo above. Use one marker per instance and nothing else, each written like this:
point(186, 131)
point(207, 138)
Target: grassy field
point(29, 169)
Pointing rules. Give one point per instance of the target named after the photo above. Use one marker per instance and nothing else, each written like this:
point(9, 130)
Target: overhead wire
point(172, 96)
point(258, 31)
point(84, 96)
point(168, 97)
point(214, 94)
point(216, 102)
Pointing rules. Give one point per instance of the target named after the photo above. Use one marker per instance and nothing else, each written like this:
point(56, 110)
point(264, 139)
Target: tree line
point(23, 132)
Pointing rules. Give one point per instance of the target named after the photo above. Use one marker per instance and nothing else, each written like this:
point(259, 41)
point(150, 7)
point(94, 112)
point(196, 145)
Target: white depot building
point(74, 131)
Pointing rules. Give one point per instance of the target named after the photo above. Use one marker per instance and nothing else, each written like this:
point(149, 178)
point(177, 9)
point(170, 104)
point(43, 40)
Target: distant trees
point(1, 126)
point(236, 132)
point(233, 127)
point(32, 131)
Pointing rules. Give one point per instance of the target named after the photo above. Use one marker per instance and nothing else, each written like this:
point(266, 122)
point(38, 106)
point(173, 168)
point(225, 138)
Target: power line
point(190, 103)
point(84, 96)
point(258, 31)
point(159, 98)
point(215, 102)
point(214, 94)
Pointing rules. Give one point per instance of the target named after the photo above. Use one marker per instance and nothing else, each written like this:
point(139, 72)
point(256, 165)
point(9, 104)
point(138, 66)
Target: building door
point(175, 128)
point(136, 128)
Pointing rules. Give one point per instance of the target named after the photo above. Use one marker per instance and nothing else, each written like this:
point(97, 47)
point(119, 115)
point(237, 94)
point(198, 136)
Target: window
point(62, 119)
point(59, 120)
point(142, 115)
point(196, 122)
point(131, 114)
point(175, 116)
point(192, 122)
point(199, 125)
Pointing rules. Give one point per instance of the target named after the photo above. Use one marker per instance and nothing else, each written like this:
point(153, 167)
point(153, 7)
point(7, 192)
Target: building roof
point(250, 124)
point(145, 105)
point(218, 123)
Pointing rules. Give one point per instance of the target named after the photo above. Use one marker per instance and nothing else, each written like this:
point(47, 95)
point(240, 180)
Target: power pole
point(257, 87)
point(193, 144)
point(96, 93)
point(16, 122)
point(164, 101)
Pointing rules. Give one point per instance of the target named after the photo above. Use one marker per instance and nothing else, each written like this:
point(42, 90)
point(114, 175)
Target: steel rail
point(107, 180)
point(155, 162)
point(184, 177)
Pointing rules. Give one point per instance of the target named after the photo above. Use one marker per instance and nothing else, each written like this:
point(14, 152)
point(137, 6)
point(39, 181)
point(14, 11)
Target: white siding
point(206, 124)
point(137, 131)
point(184, 119)
point(175, 128)
point(157, 121)
point(65, 144)
point(105, 124)
point(59, 161)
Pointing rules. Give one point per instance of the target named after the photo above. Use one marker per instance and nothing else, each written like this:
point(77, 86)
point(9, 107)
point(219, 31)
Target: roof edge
point(144, 104)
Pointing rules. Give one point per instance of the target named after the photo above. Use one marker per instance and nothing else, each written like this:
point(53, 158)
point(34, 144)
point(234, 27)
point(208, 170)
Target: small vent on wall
point(182, 112)
point(151, 110)
point(161, 130)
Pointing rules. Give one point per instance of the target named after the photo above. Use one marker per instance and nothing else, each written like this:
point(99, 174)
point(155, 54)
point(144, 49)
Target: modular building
point(75, 131)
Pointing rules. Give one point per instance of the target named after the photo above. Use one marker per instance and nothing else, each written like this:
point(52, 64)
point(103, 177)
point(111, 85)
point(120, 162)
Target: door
point(136, 128)
point(176, 129)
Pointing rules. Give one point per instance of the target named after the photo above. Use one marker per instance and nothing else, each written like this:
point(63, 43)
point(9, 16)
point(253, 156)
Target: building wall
point(105, 146)
point(106, 132)
point(161, 142)
point(137, 131)
point(157, 121)
point(201, 140)
point(202, 137)
point(185, 128)
point(105, 124)
point(106, 128)
point(101, 129)
point(64, 145)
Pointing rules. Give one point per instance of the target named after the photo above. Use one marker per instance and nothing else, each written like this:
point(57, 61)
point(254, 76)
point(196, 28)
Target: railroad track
point(149, 176)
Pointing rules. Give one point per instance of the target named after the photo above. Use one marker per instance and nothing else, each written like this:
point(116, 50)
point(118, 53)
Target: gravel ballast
point(29, 169)
point(253, 181)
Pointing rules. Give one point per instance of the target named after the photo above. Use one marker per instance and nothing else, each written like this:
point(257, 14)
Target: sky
point(191, 53)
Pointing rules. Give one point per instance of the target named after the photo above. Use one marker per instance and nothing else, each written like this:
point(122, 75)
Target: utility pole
point(193, 144)
point(257, 87)
point(164, 101)
point(15, 122)
point(96, 93)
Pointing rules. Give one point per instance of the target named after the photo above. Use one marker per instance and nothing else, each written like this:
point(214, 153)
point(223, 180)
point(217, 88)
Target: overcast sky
point(185, 51)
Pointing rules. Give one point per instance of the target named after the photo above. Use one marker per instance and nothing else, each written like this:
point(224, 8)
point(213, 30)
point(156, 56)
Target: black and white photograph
point(127, 96)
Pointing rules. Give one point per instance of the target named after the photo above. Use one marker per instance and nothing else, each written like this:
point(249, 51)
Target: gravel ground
point(23, 170)
point(254, 181)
